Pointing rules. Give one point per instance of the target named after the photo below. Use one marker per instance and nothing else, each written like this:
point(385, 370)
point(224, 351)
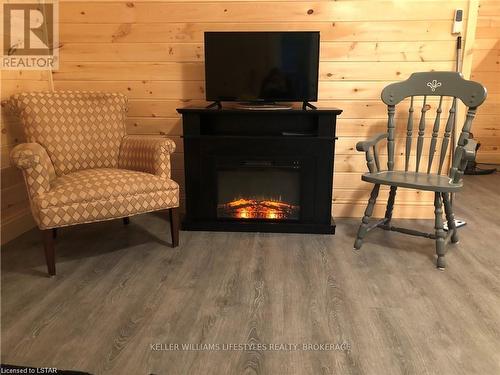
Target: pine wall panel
point(486, 69)
point(152, 51)
point(15, 213)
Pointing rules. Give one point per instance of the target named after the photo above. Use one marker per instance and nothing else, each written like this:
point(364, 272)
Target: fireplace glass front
point(259, 191)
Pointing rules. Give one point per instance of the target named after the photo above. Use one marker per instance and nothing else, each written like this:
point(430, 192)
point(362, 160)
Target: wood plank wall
point(153, 52)
point(15, 212)
point(486, 69)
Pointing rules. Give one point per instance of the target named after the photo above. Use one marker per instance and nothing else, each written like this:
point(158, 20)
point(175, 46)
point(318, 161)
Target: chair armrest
point(461, 157)
point(150, 154)
point(365, 145)
point(36, 165)
point(372, 161)
point(470, 150)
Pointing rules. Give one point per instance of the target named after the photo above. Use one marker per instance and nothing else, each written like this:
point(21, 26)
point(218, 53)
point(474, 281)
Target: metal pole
point(458, 222)
point(453, 131)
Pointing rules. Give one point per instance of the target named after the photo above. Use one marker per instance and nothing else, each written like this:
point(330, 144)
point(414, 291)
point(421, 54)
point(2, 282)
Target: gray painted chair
point(425, 84)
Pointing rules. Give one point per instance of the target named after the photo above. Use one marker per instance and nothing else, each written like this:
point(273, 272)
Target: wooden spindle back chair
point(445, 86)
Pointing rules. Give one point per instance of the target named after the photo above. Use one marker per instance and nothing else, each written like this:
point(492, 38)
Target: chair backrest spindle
point(375, 156)
point(447, 132)
point(435, 131)
point(391, 109)
point(421, 132)
point(409, 134)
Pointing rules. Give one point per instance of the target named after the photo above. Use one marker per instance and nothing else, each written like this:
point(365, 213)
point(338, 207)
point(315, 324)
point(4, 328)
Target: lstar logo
point(30, 35)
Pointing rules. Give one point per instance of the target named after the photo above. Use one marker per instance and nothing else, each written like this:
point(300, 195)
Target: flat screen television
point(261, 66)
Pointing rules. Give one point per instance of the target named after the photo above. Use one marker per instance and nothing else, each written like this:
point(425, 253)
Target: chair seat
point(413, 180)
point(103, 193)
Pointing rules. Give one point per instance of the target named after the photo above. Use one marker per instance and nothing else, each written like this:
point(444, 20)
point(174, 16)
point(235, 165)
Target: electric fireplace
point(259, 191)
point(266, 170)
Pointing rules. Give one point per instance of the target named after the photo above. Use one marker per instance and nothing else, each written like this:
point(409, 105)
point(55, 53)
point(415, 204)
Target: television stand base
point(214, 104)
point(261, 106)
point(264, 106)
point(307, 104)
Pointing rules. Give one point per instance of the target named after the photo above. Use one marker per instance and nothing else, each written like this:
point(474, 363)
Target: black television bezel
point(218, 99)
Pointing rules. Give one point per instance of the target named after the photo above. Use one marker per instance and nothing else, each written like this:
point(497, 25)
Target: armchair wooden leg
point(440, 235)
point(50, 254)
point(126, 220)
point(174, 225)
point(363, 228)
point(450, 217)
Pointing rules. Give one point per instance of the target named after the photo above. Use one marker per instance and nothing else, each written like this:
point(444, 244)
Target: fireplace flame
point(242, 208)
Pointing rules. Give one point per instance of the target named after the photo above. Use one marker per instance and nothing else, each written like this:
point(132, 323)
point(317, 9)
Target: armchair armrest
point(461, 157)
point(371, 155)
point(36, 165)
point(470, 150)
point(150, 154)
point(365, 145)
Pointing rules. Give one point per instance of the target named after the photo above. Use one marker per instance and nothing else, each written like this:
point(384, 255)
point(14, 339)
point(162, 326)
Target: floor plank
point(120, 289)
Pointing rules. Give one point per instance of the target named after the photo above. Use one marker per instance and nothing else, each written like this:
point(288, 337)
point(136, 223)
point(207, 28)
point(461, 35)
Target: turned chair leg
point(50, 254)
point(390, 204)
point(440, 235)
point(363, 228)
point(126, 220)
point(174, 225)
point(450, 217)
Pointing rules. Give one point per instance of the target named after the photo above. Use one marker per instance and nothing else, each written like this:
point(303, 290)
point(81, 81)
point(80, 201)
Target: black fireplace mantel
point(298, 139)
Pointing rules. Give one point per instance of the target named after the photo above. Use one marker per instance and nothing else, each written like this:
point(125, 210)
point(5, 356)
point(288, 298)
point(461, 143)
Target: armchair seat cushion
point(103, 193)
point(413, 180)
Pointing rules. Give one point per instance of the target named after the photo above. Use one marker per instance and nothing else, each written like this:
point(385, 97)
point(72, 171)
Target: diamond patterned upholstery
point(102, 193)
point(150, 154)
point(36, 165)
point(79, 130)
point(81, 167)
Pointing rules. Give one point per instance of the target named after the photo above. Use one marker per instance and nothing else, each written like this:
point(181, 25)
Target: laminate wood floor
point(121, 289)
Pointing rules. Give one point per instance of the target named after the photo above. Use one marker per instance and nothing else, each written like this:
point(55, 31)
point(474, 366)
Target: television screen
point(261, 66)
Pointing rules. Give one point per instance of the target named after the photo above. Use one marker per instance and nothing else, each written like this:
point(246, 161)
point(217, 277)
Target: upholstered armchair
point(80, 166)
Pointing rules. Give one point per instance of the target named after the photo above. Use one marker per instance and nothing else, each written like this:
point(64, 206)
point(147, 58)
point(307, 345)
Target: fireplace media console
point(260, 171)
